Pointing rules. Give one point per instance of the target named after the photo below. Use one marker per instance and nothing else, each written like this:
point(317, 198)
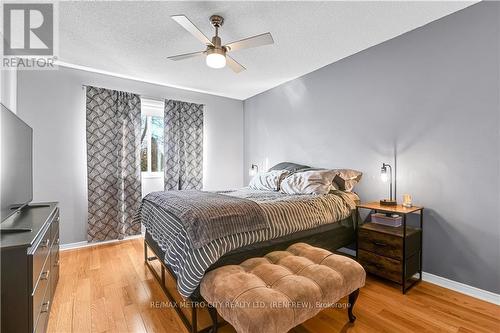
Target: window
point(152, 138)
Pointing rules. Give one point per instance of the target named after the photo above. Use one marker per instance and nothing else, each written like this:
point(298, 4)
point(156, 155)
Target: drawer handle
point(45, 243)
point(57, 241)
point(379, 243)
point(45, 307)
point(45, 275)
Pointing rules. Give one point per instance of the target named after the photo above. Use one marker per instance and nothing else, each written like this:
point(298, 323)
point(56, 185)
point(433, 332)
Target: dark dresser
point(29, 268)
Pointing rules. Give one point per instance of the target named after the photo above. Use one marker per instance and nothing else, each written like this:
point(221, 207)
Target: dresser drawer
point(380, 243)
point(42, 316)
point(54, 228)
point(55, 237)
point(54, 262)
point(40, 255)
point(41, 292)
point(388, 268)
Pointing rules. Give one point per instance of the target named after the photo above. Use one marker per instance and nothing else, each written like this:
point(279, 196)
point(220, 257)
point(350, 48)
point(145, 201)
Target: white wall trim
point(122, 76)
point(481, 294)
point(78, 245)
point(484, 295)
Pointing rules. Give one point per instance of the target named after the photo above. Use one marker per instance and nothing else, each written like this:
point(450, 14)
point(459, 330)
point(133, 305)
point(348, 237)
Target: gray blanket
point(207, 216)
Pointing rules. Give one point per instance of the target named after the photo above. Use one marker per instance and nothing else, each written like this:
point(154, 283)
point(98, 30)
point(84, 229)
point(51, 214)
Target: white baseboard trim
point(78, 245)
point(481, 294)
point(484, 295)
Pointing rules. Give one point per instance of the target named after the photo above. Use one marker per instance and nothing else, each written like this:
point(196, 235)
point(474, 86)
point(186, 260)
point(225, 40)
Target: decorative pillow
point(309, 182)
point(345, 179)
point(268, 181)
point(292, 167)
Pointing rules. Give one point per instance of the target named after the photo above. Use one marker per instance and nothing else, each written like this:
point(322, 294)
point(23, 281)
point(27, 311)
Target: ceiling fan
point(216, 53)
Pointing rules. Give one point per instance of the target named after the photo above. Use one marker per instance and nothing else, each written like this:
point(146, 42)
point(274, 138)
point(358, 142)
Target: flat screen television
point(16, 166)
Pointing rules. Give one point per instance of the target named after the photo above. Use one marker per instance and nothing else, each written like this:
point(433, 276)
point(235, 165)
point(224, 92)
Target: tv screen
point(16, 187)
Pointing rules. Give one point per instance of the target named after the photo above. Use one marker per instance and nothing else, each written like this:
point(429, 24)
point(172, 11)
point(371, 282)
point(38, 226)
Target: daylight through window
point(152, 137)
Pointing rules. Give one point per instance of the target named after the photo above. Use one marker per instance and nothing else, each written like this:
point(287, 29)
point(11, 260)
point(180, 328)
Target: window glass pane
point(144, 143)
point(157, 144)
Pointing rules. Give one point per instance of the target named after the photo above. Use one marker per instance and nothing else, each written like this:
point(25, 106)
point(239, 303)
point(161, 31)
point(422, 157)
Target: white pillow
point(268, 181)
point(309, 182)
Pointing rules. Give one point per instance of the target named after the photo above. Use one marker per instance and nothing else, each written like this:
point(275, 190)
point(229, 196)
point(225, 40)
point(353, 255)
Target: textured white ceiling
point(134, 38)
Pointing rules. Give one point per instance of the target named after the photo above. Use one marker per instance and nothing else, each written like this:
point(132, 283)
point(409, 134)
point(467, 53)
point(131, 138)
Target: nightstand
point(393, 253)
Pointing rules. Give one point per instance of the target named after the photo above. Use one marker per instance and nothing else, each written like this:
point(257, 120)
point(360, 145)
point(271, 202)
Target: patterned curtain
point(113, 163)
point(183, 145)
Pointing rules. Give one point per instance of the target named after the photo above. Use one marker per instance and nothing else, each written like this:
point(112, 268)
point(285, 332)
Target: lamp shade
point(383, 173)
point(254, 169)
point(216, 60)
point(384, 177)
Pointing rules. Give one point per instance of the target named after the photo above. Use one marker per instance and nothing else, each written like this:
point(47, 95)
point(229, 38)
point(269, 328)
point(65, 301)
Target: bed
point(324, 221)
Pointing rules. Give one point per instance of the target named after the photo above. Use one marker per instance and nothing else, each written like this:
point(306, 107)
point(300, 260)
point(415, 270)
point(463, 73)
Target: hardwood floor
point(108, 288)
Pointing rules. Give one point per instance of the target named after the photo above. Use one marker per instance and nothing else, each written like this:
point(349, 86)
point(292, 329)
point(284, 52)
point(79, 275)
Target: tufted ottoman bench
point(283, 289)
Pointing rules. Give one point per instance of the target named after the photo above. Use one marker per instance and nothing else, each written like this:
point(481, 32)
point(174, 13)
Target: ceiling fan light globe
point(216, 60)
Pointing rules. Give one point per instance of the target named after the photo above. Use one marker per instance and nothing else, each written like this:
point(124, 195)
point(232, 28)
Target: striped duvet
point(286, 214)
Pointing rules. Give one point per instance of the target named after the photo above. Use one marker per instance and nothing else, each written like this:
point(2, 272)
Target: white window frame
point(151, 108)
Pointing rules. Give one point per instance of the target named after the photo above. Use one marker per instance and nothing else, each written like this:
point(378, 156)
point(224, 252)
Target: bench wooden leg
point(352, 300)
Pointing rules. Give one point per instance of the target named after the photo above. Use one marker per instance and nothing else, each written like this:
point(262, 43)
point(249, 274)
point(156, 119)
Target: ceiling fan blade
point(234, 65)
point(259, 40)
point(190, 27)
point(187, 55)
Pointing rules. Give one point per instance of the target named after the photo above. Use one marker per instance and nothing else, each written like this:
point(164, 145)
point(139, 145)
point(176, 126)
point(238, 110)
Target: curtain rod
point(159, 99)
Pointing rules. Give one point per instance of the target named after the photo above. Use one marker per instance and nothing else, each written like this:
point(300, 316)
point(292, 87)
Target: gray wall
point(53, 103)
point(430, 95)
point(8, 88)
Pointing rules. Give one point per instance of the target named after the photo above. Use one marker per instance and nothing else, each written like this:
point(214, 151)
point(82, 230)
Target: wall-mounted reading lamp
point(254, 169)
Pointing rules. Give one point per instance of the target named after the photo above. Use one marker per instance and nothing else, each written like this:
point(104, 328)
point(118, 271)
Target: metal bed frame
point(191, 324)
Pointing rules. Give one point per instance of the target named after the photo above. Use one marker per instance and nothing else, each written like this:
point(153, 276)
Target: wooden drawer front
point(382, 266)
point(55, 237)
point(39, 256)
point(54, 262)
point(42, 292)
point(54, 228)
point(379, 243)
point(41, 317)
